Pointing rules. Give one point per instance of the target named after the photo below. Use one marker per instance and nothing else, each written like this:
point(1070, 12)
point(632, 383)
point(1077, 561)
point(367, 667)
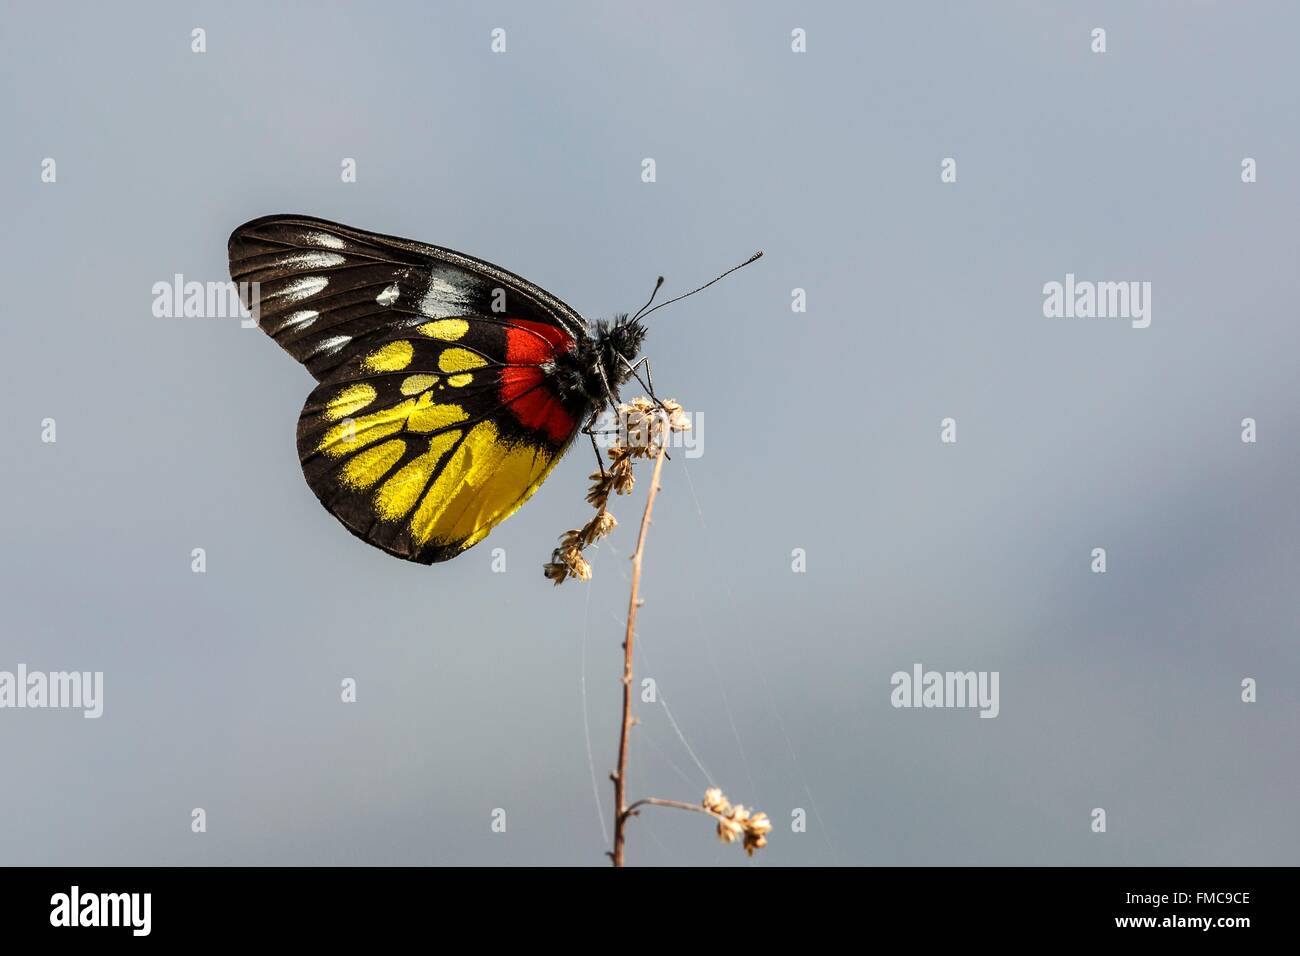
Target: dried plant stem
point(675, 804)
point(647, 426)
point(621, 809)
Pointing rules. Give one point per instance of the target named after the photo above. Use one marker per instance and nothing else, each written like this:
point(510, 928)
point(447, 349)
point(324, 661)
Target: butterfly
point(447, 387)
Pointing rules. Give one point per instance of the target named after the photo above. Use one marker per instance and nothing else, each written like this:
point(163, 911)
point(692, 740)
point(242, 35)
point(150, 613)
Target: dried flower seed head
point(642, 426)
point(715, 802)
point(646, 426)
point(729, 830)
point(598, 527)
point(601, 488)
point(756, 830)
point(567, 561)
point(578, 565)
point(735, 822)
point(677, 420)
point(622, 479)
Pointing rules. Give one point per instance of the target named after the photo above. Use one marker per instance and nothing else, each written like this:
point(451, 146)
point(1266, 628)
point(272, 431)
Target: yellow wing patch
point(484, 482)
point(398, 494)
point(420, 415)
point(350, 401)
point(367, 467)
point(392, 357)
point(457, 490)
point(460, 360)
point(449, 330)
point(426, 417)
point(415, 384)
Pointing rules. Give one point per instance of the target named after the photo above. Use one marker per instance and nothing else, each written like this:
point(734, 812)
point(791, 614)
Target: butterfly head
point(618, 346)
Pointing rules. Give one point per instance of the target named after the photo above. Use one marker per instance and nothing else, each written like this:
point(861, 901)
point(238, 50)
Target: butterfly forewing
point(326, 291)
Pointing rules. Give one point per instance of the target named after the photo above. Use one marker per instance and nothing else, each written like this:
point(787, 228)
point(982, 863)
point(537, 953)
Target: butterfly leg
point(649, 383)
point(611, 392)
point(590, 432)
point(650, 379)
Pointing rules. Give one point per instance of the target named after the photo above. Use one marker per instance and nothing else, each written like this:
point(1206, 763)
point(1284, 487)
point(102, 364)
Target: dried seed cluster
point(644, 430)
point(735, 822)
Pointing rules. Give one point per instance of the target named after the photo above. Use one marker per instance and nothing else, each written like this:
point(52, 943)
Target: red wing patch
point(534, 343)
point(529, 345)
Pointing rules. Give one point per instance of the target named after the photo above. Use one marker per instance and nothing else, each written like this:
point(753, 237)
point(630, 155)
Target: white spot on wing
point(302, 288)
point(442, 299)
point(299, 320)
point(331, 344)
point(388, 296)
point(324, 239)
point(313, 260)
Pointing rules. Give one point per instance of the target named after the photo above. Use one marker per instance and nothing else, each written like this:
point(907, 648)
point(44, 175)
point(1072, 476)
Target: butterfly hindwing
point(326, 292)
point(428, 439)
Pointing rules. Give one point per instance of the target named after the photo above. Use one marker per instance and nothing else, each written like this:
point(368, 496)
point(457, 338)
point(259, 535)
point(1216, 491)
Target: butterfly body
point(600, 362)
point(447, 387)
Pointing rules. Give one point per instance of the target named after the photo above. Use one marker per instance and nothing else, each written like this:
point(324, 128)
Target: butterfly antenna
point(653, 292)
point(754, 258)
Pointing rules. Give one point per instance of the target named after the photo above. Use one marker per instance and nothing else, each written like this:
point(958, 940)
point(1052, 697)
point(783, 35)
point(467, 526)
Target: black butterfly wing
point(326, 292)
point(436, 415)
point(426, 442)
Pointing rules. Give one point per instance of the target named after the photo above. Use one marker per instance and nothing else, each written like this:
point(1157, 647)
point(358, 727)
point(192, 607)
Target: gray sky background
point(821, 431)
